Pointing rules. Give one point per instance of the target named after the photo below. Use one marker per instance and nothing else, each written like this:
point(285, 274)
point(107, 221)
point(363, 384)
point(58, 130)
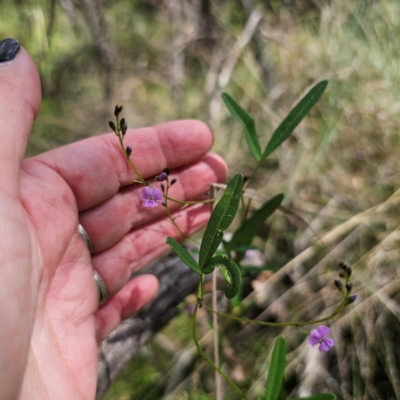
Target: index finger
point(96, 168)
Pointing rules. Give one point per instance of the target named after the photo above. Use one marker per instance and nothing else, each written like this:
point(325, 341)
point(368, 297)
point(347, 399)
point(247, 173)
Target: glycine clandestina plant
point(233, 251)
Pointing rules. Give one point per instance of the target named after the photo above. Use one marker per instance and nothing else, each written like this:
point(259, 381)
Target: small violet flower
point(151, 196)
point(317, 336)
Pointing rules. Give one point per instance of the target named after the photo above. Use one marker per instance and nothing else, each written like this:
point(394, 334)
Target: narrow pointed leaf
point(322, 396)
point(295, 116)
point(222, 216)
point(246, 232)
point(276, 369)
point(184, 255)
point(248, 124)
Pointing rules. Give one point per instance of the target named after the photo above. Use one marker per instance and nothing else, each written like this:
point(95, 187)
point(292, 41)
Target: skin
point(51, 326)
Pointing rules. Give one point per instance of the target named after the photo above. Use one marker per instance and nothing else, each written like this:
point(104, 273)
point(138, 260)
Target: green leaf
point(322, 396)
point(248, 124)
point(295, 116)
point(245, 233)
point(222, 216)
point(229, 270)
point(276, 369)
point(184, 255)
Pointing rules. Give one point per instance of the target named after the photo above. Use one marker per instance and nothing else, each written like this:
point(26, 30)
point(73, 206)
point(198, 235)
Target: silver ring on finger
point(85, 237)
point(101, 287)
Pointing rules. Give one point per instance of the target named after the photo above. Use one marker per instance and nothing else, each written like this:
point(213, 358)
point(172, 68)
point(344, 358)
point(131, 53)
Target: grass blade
point(184, 255)
point(222, 216)
point(248, 124)
point(276, 370)
point(295, 116)
point(245, 233)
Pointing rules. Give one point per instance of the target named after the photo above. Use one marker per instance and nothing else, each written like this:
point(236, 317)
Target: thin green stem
point(243, 208)
point(121, 142)
point(200, 350)
point(246, 211)
point(173, 220)
point(283, 324)
point(247, 184)
point(188, 202)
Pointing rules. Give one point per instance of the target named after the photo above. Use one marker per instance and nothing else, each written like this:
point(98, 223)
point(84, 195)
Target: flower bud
point(342, 265)
point(112, 126)
point(338, 284)
point(162, 187)
point(349, 286)
point(166, 170)
point(162, 177)
point(128, 150)
point(124, 126)
point(352, 299)
point(173, 181)
point(117, 110)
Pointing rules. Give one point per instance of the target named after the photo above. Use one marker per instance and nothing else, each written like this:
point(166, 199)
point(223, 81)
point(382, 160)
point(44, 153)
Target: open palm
point(51, 324)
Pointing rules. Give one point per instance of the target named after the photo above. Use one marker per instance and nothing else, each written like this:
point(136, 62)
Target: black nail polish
point(8, 49)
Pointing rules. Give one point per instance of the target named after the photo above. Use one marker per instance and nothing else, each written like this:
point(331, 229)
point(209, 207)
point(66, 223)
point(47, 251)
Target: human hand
point(51, 324)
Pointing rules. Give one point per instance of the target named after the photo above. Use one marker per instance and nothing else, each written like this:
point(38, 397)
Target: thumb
point(20, 97)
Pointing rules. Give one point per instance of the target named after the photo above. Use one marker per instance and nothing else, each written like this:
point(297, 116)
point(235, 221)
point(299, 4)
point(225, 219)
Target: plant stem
point(215, 334)
point(200, 350)
point(247, 184)
point(173, 219)
point(129, 160)
point(283, 324)
point(188, 202)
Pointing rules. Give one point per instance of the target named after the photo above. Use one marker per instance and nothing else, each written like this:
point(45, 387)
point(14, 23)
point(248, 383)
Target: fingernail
point(8, 49)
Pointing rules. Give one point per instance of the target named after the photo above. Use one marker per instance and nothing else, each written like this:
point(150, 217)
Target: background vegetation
point(339, 172)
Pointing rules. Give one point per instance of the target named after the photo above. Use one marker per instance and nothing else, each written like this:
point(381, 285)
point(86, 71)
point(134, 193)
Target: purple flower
point(317, 336)
point(151, 196)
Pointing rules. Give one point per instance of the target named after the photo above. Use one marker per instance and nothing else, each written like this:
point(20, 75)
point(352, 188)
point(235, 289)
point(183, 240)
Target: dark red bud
point(128, 150)
point(173, 181)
